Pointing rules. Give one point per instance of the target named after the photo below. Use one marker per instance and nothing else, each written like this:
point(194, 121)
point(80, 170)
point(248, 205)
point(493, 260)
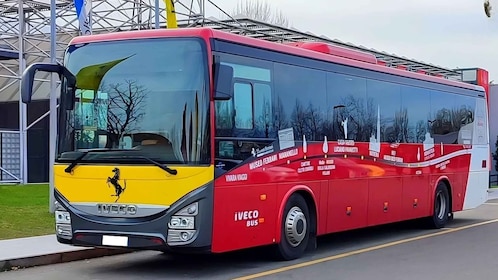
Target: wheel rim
point(440, 206)
point(295, 226)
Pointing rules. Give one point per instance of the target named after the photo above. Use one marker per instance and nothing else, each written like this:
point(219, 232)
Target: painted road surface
point(466, 249)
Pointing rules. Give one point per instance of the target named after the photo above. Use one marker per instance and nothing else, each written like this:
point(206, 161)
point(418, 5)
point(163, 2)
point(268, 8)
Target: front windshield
point(146, 96)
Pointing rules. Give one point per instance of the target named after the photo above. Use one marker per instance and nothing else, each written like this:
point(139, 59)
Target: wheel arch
point(446, 181)
point(310, 198)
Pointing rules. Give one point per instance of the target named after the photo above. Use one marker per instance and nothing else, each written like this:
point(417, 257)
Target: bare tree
point(124, 110)
point(280, 121)
point(262, 11)
point(420, 131)
point(299, 120)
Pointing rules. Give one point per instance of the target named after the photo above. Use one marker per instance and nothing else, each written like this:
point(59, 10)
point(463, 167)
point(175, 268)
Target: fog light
point(64, 231)
point(180, 237)
point(184, 236)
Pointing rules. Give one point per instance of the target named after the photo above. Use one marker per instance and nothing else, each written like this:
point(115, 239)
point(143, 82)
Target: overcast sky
point(449, 33)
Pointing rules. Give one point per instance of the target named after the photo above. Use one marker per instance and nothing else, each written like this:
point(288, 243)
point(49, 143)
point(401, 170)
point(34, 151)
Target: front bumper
point(151, 232)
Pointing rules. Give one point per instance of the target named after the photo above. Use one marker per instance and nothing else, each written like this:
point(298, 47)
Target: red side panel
point(416, 195)
point(348, 201)
point(244, 216)
point(352, 185)
point(384, 200)
point(323, 208)
point(483, 80)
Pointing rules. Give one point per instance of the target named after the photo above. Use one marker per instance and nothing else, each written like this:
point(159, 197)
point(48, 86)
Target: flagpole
point(157, 14)
point(83, 12)
point(53, 105)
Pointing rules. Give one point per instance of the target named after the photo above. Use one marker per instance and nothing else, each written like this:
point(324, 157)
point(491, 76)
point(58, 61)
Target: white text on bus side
point(251, 217)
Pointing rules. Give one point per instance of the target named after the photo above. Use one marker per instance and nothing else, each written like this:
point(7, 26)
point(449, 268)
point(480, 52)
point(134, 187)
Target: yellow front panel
point(142, 184)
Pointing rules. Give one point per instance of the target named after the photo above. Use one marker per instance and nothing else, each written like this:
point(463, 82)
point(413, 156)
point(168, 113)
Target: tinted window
point(442, 122)
point(386, 99)
point(249, 113)
point(416, 103)
point(465, 115)
point(160, 110)
point(243, 105)
point(349, 111)
point(243, 124)
point(263, 113)
point(451, 117)
point(300, 100)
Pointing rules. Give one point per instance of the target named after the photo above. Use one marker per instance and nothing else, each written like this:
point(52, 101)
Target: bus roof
point(294, 49)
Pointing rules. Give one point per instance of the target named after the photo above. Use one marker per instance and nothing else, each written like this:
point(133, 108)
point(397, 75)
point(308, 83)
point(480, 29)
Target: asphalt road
point(466, 249)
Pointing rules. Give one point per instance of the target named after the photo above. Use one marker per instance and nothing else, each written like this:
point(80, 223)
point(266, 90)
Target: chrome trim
point(119, 209)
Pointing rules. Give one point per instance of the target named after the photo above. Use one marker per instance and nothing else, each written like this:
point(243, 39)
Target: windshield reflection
point(149, 97)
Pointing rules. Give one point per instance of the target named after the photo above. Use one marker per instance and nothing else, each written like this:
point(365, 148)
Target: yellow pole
point(170, 14)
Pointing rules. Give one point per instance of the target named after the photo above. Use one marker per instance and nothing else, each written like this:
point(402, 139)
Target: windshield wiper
point(160, 165)
point(163, 167)
point(77, 160)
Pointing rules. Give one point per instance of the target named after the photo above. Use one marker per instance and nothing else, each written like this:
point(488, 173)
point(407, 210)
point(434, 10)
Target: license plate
point(121, 241)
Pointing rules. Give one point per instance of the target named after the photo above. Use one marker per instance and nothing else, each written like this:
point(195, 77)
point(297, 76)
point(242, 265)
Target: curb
point(62, 257)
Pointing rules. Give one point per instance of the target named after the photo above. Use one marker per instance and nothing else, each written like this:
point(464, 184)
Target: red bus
point(202, 140)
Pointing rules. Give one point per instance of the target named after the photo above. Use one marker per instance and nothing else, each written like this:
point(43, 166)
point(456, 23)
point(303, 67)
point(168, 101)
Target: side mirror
point(28, 78)
point(223, 82)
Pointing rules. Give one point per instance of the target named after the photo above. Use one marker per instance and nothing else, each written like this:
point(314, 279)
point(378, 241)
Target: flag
point(83, 10)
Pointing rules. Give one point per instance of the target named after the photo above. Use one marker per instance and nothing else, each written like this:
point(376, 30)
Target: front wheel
point(295, 229)
point(441, 211)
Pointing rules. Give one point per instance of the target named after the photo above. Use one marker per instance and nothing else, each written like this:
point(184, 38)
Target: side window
point(465, 112)
point(262, 108)
point(451, 118)
point(224, 114)
point(300, 101)
point(440, 121)
point(414, 103)
point(390, 119)
point(244, 123)
point(248, 114)
point(244, 117)
point(350, 114)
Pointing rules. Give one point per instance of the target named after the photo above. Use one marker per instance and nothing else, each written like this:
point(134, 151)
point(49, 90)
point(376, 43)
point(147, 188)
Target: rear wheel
point(441, 211)
point(295, 229)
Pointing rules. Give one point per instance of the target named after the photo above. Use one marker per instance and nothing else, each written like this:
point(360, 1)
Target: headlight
point(182, 225)
point(63, 227)
point(62, 217)
point(181, 222)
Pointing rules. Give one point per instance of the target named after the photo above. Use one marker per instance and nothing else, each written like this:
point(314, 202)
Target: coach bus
point(199, 140)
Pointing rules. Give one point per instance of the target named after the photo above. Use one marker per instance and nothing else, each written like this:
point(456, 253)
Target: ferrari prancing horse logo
point(114, 181)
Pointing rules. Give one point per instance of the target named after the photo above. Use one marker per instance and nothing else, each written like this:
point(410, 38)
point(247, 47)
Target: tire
point(441, 214)
point(295, 229)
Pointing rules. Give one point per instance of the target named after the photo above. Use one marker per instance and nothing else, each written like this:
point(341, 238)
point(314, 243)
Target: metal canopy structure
point(274, 33)
point(26, 38)
point(115, 16)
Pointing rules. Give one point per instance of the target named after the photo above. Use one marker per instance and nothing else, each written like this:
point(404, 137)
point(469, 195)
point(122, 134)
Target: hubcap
point(440, 206)
point(295, 226)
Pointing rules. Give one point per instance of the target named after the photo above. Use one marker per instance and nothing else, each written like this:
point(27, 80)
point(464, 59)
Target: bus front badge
point(114, 181)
